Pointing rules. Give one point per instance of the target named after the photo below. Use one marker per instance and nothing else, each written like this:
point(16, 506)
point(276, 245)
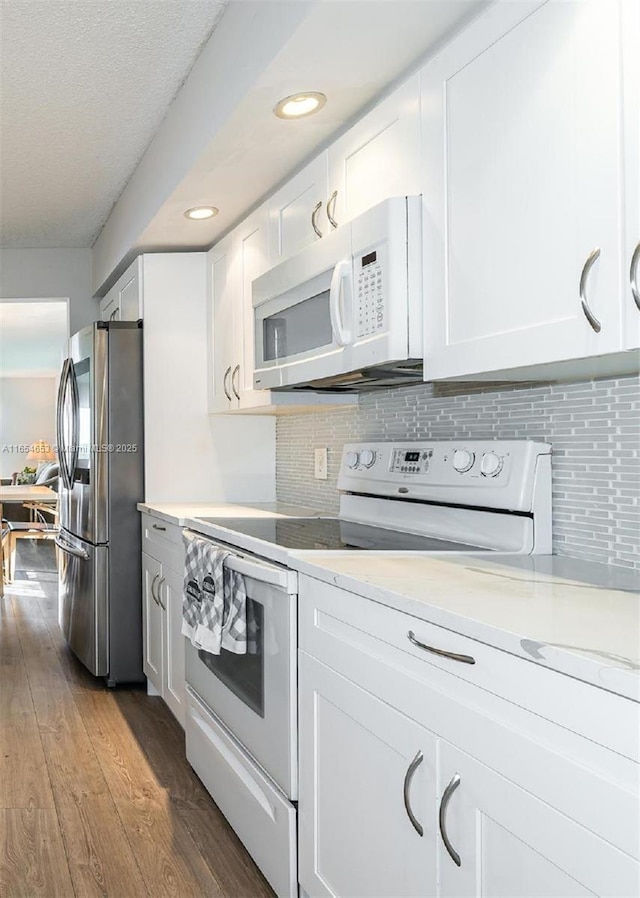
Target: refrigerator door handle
point(71, 550)
point(62, 452)
point(75, 422)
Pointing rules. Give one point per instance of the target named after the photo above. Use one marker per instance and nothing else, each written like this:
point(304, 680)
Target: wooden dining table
point(20, 494)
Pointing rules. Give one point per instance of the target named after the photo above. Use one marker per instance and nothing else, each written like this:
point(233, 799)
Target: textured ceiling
point(84, 84)
point(33, 336)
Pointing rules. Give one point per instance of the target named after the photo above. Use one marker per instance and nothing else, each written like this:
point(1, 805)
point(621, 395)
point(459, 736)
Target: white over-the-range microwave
point(345, 313)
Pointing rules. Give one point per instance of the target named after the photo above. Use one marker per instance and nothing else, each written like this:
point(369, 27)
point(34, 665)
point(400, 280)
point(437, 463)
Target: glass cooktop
point(332, 533)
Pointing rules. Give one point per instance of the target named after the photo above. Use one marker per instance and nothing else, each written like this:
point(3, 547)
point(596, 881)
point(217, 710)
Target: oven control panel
point(369, 305)
point(411, 461)
point(492, 473)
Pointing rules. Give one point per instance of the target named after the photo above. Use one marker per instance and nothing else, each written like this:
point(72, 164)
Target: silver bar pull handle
point(314, 224)
point(153, 592)
point(160, 602)
point(442, 818)
point(331, 208)
point(224, 383)
point(411, 769)
point(71, 550)
point(633, 276)
point(454, 656)
point(234, 381)
point(158, 527)
point(593, 256)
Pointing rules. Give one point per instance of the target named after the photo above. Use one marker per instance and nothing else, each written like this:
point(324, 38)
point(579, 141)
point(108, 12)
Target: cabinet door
point(170, 594)
point(291, 211)
point(358, 758)
point(510, 844)
point(252, 248)
point(222, 301)
point(521, 173)
point(109, 307)
point(631, 87)
point(153, 622)
point(129, 293)
point(379, 157)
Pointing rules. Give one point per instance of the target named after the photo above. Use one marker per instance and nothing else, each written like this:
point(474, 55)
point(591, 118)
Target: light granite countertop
point(577, 617)
point(180, 513)
point(574, 616)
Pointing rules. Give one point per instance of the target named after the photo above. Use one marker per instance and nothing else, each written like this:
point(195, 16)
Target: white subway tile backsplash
point(594, 427)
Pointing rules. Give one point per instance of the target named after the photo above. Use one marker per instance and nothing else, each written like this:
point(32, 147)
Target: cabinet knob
point(592, 258)
point(633, 276)
point(160, 602)
point(411, 769)
point(224, 383)
point(234, 381)
point(442, 818)
point(314, 224)
point(331, 208)
point(153, 591)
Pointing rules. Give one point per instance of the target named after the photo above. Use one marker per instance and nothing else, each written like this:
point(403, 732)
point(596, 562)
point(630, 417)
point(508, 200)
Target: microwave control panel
point(369, 299)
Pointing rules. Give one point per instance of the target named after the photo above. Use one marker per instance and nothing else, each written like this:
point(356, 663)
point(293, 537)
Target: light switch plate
point(320, 469)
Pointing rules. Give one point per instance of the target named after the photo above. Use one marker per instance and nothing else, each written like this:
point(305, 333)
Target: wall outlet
point(320, 471)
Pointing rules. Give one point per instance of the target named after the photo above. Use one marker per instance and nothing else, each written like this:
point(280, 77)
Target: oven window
point(303, 326)
point(243, 674)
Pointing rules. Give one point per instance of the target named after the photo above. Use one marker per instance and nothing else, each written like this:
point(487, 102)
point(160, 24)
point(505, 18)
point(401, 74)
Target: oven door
point(254, 695)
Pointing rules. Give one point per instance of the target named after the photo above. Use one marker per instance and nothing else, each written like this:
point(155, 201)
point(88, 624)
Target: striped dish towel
point(215, 607)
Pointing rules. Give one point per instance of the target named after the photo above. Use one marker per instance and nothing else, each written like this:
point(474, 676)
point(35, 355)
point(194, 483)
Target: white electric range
point(422, 497)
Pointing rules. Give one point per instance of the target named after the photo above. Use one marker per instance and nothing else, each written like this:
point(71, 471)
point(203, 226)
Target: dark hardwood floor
point(96, 795)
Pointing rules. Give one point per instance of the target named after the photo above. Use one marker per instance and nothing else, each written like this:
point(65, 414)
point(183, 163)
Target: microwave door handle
point(340, 285)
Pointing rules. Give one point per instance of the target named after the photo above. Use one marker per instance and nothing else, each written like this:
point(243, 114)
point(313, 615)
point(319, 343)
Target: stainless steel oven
point(241, 726)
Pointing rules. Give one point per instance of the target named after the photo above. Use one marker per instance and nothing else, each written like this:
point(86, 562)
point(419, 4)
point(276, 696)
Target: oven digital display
point(369, 259)
point(411, 461)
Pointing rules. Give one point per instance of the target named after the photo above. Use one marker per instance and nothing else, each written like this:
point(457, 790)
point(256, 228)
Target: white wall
point(47, 273)
point(27, 414)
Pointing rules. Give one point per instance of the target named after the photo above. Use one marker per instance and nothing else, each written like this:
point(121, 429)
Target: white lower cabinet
point(366, 772)
point(163, 642)
point(170, 595)
point(512, 799)
point(500, 841)
point(153, 623)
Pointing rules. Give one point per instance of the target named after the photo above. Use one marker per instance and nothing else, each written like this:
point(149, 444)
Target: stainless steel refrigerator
point(100, 451)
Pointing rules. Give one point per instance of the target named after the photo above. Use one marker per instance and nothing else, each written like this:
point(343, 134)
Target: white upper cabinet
point(124, 301)
point(377, 158)
point(521, 178)
point(631, 259)
point(225, 337)
point(232, 265)
point(297, 212)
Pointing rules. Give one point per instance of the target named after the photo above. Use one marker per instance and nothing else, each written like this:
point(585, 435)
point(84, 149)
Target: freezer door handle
point(71, 550)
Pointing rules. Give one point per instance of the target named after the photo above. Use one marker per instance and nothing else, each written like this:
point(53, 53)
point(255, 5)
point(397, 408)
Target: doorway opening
point(34, 336)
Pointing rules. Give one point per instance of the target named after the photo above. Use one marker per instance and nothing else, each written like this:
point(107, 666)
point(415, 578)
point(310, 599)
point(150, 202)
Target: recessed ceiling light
point(199, 213)
point(300, 105)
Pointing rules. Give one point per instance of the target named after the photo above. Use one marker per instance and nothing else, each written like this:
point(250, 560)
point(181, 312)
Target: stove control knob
point(352, 459)
point(491, 464)
point(367, 457)
point(463, 460)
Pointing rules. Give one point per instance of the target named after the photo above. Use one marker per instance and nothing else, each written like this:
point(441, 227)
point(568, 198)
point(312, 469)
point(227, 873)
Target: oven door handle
point(251, 567)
